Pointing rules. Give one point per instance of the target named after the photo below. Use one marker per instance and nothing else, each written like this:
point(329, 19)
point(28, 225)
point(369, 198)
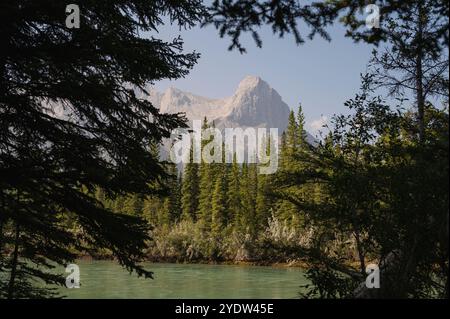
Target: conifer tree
point(206, 184)
point(73, 113)
point(176, 198)
point(173, 196)
point(190, 190)
point(289, 148)
point(151, 209)
point(164, 212)
point(253, 181)
point(264, 202)
point(283, 158)
point(245, 200)
point(133, 205)
point(234, 196)
point(248, 198)
point(301, 132)
point(291, 137)
point(219, 204)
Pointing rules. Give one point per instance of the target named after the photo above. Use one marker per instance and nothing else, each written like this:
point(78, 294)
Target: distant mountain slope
point(254, 104)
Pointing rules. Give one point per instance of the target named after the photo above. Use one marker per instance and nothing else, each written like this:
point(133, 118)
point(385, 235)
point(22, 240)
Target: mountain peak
point(253, 104)
point(250, 82)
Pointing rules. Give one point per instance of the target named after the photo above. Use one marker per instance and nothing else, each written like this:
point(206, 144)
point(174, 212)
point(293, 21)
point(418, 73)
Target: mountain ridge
point(253, 104)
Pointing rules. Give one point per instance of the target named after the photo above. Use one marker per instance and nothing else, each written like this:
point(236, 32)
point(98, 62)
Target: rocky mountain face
point(254, 104)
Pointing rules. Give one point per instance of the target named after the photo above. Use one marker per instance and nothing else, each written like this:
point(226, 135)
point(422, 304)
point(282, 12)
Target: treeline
point(221, 211)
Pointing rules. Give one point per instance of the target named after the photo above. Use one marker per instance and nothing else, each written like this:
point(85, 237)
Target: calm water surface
point(106, 279)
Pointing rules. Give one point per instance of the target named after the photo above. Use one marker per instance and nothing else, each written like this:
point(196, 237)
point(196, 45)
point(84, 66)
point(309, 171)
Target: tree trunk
point(419, 75)
point(14, 262)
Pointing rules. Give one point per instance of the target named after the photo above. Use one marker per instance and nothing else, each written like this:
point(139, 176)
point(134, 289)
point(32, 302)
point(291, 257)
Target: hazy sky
point(319, 74)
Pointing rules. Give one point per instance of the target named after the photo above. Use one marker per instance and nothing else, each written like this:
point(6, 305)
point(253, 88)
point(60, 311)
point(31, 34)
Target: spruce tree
point(264, 202)
point(289, 149)
point(283, 156)
point(206, 184)
point(219, 204)
point(74, 113)
point(245, 199)
point(291, 137)
point(234, 196)
point(301, 132)
point(176, 199)
point(253, 181)
point(248, 192)
point(173, 192)
point(190, 190)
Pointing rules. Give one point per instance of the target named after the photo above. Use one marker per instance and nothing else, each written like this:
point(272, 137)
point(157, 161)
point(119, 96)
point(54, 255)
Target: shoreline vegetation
point(228, 213)
point(288, 264)
point(224, 212)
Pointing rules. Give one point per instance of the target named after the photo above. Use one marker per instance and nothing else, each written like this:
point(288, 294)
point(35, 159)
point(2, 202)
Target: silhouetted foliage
point(234, 18)
point(385, 193)
point(74, 118)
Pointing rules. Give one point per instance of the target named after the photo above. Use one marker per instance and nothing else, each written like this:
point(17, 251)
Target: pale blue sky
point(319, 74)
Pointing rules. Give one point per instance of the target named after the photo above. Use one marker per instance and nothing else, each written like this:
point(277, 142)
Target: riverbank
point(280, 264)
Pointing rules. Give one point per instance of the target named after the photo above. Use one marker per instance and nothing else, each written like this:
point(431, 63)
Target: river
point(106, 279)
